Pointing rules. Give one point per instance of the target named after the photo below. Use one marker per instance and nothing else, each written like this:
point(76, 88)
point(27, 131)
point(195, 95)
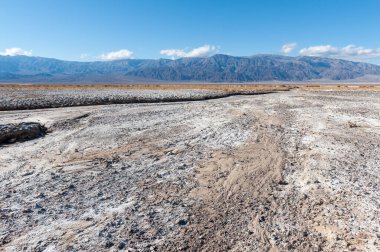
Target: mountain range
point(217, 68)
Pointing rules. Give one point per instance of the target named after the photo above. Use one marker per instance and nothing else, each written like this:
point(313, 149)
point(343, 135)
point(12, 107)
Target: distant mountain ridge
point(217, 68)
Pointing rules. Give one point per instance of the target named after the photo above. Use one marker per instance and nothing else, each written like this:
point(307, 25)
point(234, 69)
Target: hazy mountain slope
point(223, 68)
point(218, 68)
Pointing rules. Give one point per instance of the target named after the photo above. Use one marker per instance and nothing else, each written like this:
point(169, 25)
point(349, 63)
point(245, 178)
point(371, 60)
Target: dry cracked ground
point(290, 171)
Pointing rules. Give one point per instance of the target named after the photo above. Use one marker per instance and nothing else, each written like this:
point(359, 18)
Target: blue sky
point(105, 30)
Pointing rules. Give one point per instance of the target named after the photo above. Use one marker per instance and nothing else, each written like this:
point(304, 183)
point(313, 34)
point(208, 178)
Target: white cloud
point(122, 54)
point(350, 52)
point(321, 50)
point(202, 51)
point(287, 48)
point(84, 56)
point(15, 51)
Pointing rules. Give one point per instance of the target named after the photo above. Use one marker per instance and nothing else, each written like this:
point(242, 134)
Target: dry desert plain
point(169, 168)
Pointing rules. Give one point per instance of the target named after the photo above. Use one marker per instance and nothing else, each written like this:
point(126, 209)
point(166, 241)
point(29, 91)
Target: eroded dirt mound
point(25, 99)
point(10, 133)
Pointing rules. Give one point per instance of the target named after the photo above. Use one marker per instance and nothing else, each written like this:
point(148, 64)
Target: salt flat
point(296, 170)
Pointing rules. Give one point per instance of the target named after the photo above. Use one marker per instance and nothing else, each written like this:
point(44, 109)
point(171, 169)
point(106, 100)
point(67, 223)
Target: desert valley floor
point(296, 170)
